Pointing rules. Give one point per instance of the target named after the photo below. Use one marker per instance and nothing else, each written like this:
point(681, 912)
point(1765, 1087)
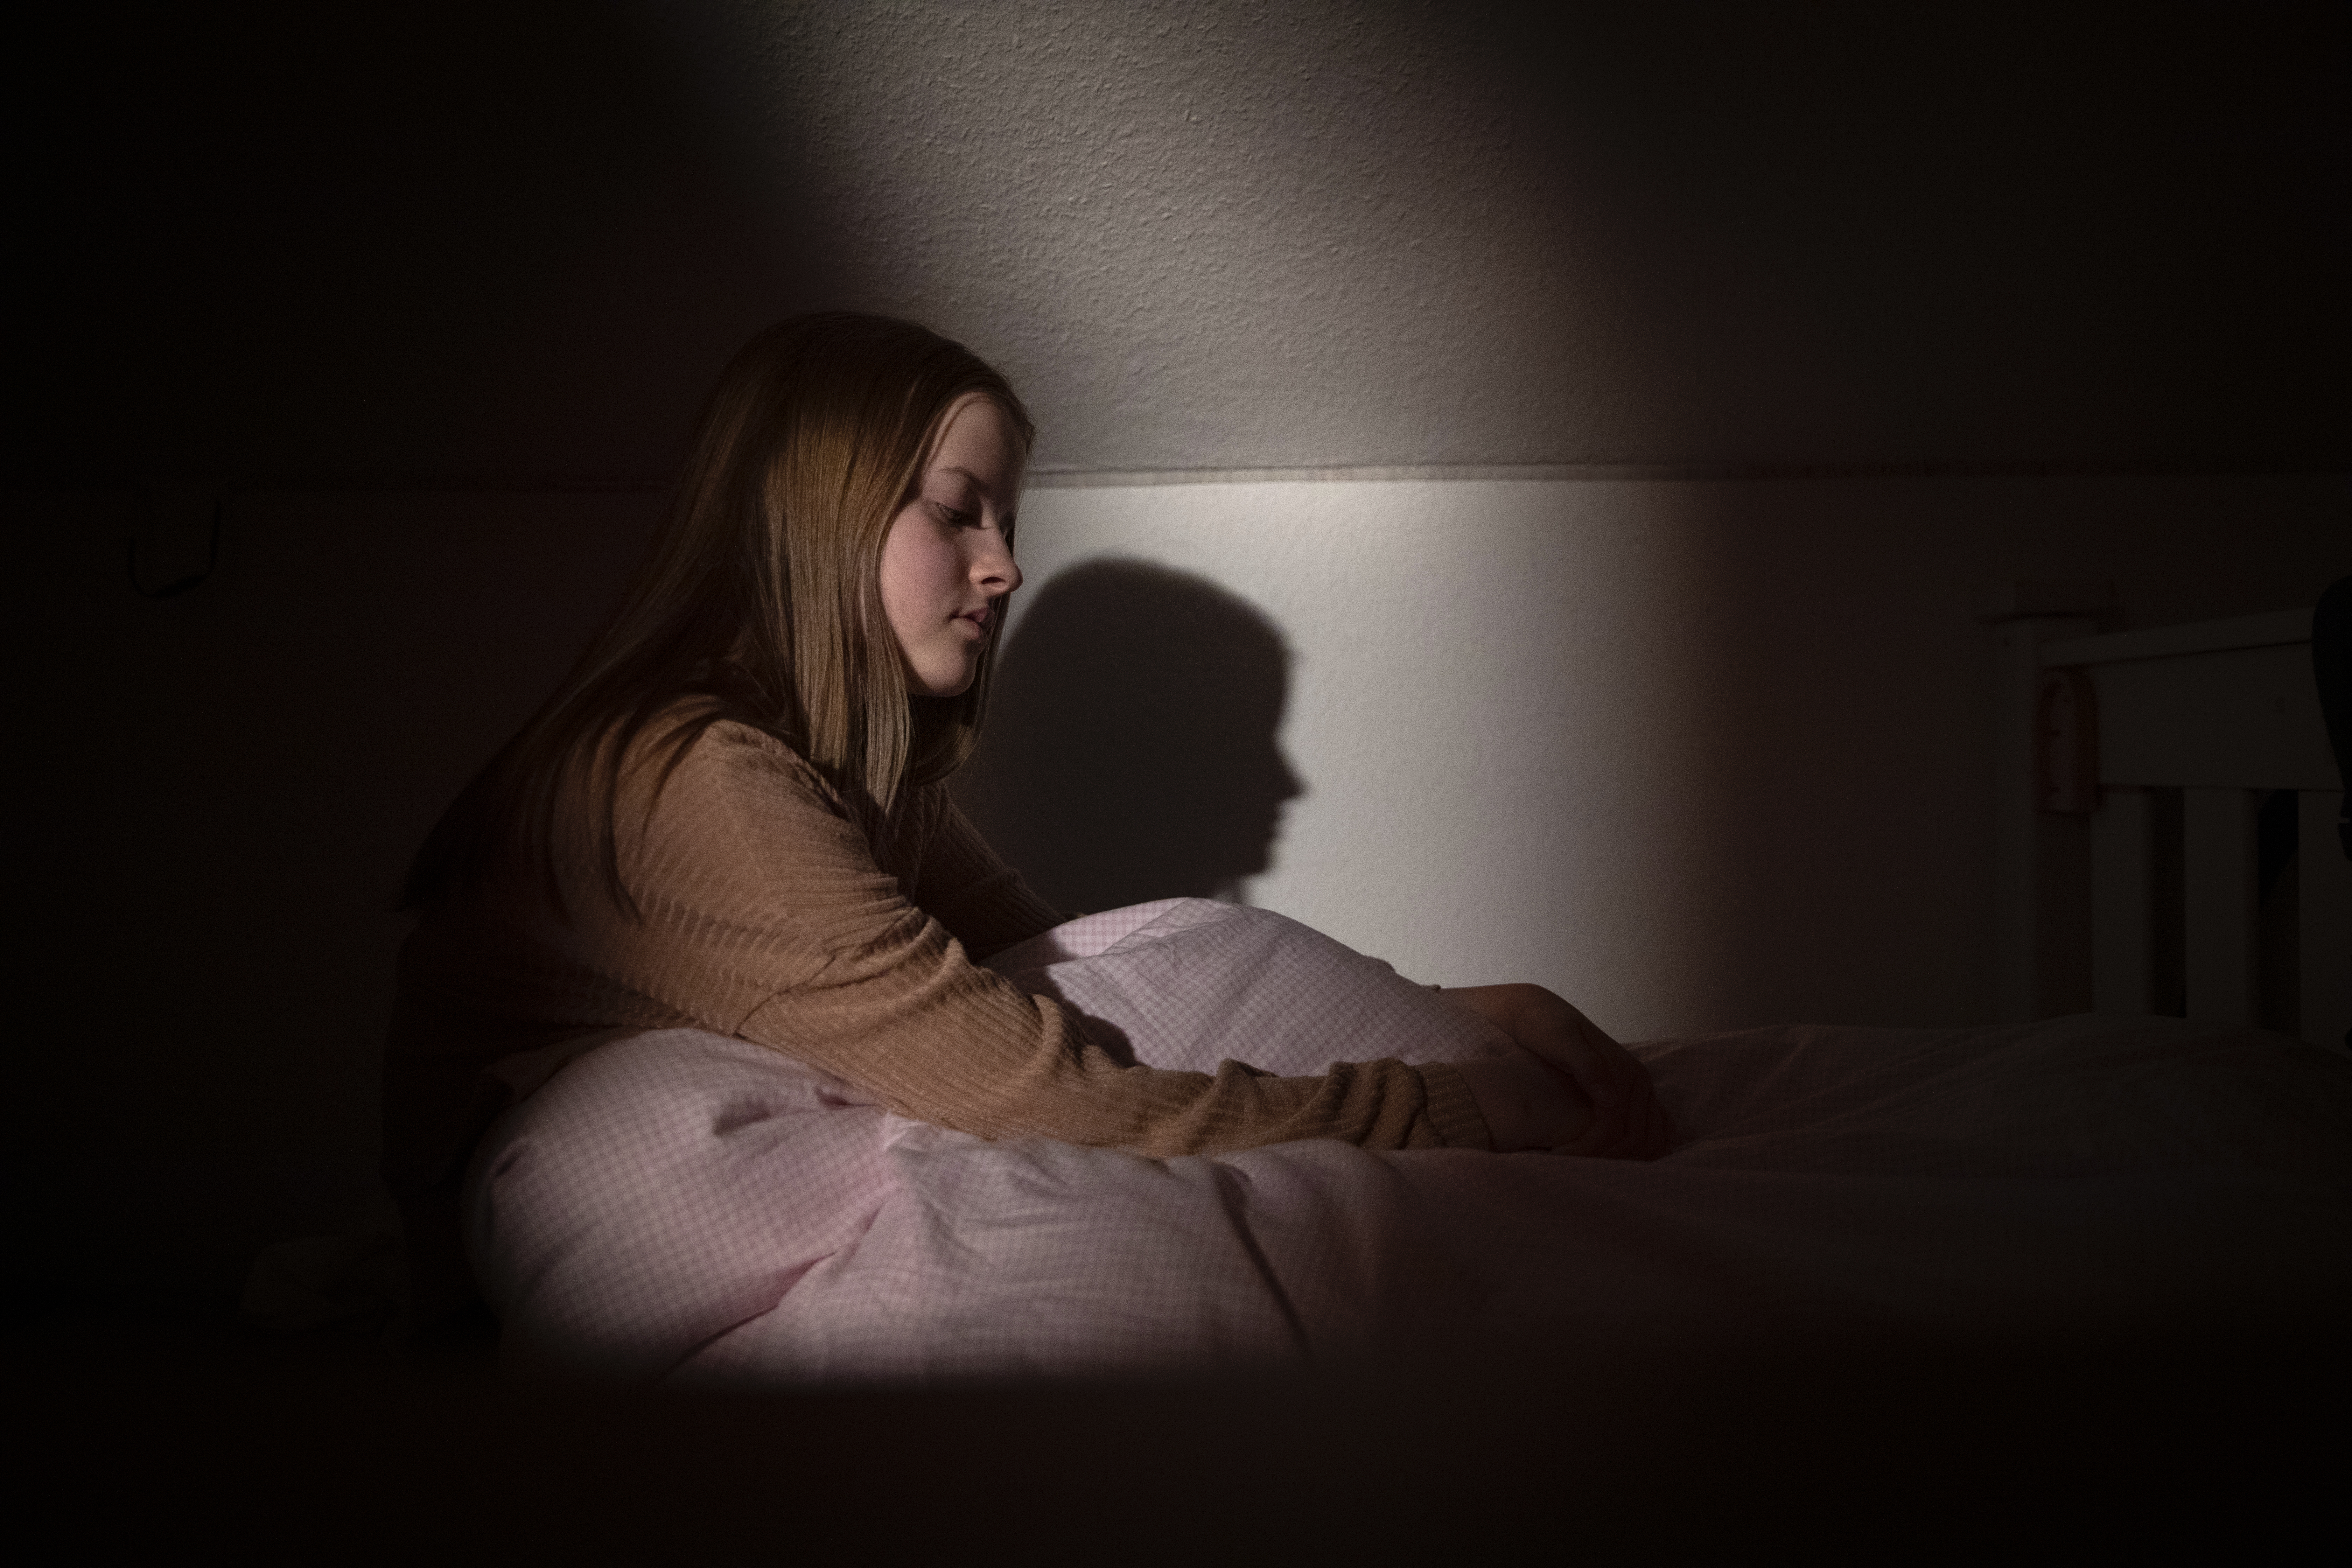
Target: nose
point(993, 567)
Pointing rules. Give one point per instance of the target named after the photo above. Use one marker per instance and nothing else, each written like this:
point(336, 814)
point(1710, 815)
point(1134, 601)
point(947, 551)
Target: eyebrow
point(977, 482)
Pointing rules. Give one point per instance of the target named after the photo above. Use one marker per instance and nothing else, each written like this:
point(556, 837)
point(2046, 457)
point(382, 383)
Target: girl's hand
point(1593, 1098)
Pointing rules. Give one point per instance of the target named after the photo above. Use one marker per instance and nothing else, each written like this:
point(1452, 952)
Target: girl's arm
point(765, 915)
point(980, 899)
point(1576, 1092)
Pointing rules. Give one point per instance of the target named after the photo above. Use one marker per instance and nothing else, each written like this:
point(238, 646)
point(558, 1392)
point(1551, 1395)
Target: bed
point(2168, 801)
point(685, 1210)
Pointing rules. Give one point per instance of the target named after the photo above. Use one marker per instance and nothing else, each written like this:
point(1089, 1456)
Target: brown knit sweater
point(764, 914)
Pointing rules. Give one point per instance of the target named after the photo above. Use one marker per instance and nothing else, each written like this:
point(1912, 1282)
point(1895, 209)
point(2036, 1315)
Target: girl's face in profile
point(948, 557)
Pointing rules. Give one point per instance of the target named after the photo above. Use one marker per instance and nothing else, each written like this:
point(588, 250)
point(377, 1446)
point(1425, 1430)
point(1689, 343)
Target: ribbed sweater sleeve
point(765, 914)
point(960, 882)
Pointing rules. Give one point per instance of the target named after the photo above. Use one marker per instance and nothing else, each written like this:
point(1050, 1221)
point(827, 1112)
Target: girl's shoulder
point(700, 741)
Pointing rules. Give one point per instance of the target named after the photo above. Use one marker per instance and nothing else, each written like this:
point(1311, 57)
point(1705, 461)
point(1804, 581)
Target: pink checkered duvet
point(683, 1205)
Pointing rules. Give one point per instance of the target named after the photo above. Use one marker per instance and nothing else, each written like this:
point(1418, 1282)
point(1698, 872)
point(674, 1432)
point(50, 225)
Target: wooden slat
point(2324, 916)
point(2218, 875)
point(2040, 862)
point(2123, 896)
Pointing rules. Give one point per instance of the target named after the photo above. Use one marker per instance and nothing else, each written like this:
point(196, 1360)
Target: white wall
point(1495, 706)
point(1696, 755)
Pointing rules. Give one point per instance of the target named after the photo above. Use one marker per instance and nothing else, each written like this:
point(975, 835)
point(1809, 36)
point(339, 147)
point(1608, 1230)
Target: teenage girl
point(732, 817)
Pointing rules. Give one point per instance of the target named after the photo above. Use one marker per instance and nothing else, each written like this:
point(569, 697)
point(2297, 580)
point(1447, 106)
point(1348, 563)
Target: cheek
point(911, 571)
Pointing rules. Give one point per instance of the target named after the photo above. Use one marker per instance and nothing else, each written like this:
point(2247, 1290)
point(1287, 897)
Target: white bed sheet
point(683, 1205)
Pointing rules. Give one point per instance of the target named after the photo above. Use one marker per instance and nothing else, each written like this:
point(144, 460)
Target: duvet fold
point(686, 1207)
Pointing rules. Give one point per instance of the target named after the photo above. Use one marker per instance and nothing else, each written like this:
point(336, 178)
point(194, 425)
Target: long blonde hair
point(760, 593)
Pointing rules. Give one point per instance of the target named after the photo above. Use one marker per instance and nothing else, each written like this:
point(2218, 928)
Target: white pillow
point(1189, 983)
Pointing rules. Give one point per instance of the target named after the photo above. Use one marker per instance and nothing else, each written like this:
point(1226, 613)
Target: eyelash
point(955, 519)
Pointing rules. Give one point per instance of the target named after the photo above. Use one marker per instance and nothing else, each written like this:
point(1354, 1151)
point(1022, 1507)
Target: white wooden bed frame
point(2090, 729)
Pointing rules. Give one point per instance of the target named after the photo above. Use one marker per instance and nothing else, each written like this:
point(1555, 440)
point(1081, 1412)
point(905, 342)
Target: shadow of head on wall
point(1130, 751)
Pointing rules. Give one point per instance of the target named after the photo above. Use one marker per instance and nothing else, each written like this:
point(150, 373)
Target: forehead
point(977, 441)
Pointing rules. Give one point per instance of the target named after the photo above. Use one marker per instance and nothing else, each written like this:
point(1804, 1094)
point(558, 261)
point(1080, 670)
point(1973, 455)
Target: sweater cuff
point(1452, 1109)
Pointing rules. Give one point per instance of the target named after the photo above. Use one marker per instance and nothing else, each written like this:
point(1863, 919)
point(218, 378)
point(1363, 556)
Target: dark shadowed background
point(1656, 384)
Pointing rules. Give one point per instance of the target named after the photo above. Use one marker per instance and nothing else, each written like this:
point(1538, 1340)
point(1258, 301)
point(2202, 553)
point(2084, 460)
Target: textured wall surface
point(513, 240)
point(1215, 234)
point(1229, 234)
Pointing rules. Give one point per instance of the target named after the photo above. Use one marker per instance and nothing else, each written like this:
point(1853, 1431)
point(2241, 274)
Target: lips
point(978, 617)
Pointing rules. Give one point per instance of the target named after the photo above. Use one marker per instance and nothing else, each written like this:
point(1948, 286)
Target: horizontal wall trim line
point(1140, 478)
point(334, 485)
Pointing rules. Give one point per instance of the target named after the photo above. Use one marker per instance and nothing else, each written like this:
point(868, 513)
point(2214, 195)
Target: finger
point(1633, 1084)
point(1598, 1058)
point(1566, 1052)
point(1611, 1145)
point(1645, 1143)
point(1624, 1131)
point(1638, 1137)
point(1595, 1138)
point(1599, 1138)
point(1636, 1072)
point(1632, 1078)
point(1653, 1131)
point(1595, 1064)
